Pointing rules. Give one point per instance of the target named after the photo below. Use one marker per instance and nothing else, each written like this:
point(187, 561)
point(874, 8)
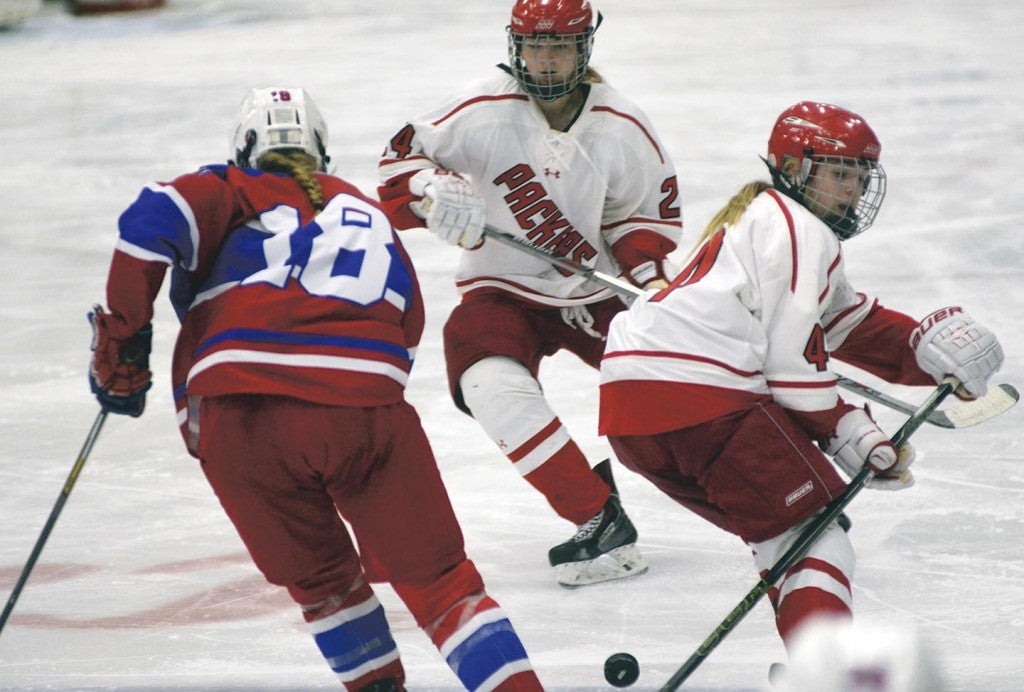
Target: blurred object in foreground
point(13, 12)
point(863, 655)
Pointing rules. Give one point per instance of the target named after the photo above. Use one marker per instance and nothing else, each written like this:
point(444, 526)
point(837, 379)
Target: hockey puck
point(621, 670)
point(777, 674)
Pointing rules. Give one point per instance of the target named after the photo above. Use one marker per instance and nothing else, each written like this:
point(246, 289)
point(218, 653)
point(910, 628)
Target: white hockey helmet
point(272, 119)
point(864, 655)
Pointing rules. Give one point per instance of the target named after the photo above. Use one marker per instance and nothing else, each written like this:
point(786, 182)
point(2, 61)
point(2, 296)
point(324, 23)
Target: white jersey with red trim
point(755, 313)
point(574, 193)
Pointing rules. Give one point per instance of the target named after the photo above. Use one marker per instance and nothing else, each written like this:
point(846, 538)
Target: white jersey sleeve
point(845, 311)
point(573, 193)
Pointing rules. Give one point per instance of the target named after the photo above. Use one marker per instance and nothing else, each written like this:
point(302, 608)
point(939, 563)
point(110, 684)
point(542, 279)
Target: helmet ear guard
point(242, 155)
point(791, 173)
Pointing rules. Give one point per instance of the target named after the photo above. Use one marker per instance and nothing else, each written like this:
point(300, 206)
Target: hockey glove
point(579, 317)
point(949, 342)
point(450, 206)
point(647, 275)
point(898, 476)
point(119, 374)
point(857, 440)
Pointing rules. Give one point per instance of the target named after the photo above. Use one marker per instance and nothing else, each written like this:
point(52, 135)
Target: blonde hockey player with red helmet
point(547, 152)
point(718, 387)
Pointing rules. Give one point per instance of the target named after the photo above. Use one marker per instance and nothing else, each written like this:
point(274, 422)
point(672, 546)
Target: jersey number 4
point(815, 351)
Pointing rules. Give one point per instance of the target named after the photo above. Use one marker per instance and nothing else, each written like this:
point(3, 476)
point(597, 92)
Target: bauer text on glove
point(950, 342)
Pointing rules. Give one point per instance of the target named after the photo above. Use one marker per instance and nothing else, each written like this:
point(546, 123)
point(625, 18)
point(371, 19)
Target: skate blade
point(622, 563)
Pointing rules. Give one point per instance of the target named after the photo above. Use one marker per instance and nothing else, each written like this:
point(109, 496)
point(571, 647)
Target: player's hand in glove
point(450, 206)
point(579, 317)
point(898, 476)
point(647, 275)
point(857, 440)
point(119, 372)
point(949, 342)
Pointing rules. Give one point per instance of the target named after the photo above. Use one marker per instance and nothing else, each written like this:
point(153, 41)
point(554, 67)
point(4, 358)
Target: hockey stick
point(57, 507)
point(998, 400)
point(623, 288)
point(804, 541)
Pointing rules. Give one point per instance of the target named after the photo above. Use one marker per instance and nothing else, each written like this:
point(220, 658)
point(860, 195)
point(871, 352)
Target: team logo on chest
point(538, 215)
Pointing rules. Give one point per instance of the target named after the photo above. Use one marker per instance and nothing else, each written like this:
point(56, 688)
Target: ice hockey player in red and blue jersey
point(300, 315)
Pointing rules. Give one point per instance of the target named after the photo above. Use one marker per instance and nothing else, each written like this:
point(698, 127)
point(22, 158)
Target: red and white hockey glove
point(119, 373)
point(450, 206)
point(647, 275)
point(899, 476)
point(950, 342)
point(857, 440)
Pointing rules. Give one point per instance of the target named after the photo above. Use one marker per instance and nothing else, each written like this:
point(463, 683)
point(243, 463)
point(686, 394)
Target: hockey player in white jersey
point(717, 387)
point(546, 151)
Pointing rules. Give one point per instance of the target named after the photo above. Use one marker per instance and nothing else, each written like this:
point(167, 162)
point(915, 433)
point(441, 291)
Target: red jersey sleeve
point(880, 345)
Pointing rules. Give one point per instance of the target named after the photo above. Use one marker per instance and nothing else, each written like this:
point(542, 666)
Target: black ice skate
point(603, 549)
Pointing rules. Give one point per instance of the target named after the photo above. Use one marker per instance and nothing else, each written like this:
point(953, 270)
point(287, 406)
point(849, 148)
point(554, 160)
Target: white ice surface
point(144, 584)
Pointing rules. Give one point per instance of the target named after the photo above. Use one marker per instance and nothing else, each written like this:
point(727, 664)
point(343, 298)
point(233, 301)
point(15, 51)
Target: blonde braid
point(733, 209)
point(299, 165)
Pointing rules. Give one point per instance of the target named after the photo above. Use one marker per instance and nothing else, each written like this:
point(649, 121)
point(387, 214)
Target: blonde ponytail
point(299, 165)
point(733, 209)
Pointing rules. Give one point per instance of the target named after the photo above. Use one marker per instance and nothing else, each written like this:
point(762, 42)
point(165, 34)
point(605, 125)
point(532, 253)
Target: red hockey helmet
point(821, 129)
point(553, 17)
point(571, 21)
point(810, 133)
